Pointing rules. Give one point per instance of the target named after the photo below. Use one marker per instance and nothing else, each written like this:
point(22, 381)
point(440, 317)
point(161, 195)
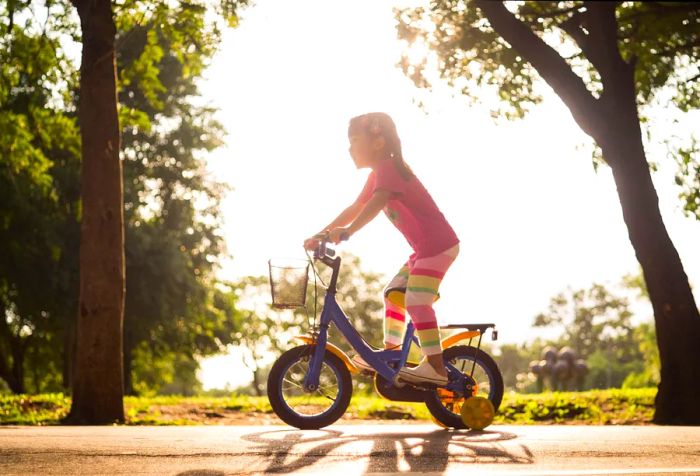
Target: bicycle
point(310, 386)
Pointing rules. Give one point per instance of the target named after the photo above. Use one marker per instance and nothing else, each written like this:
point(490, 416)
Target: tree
point(98, 383)
point(173, 243)
point(39, 157)
point(597, 325)
point(171, 206)
point(649, 375)
point(98, 379)
point(605, 60)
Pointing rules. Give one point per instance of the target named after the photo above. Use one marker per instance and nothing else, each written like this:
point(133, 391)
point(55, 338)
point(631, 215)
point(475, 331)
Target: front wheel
point(303, 409)
point(486, 381)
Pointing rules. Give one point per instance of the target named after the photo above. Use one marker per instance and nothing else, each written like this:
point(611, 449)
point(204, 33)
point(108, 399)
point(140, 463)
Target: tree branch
point(573, 26)
point(548, 63)
point(603, 36)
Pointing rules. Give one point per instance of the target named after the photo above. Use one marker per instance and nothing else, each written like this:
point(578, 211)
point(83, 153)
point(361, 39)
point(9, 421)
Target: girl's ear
point(378, 143)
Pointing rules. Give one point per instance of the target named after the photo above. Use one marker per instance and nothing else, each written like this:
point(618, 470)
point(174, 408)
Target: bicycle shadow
point(291, 450)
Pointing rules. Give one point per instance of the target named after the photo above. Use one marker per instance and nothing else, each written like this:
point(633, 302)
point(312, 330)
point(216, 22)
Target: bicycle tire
point(285, 411)
point(439, 399)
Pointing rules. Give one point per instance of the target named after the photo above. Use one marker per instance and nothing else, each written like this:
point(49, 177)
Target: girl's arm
point(365, 215)
point(345, 217)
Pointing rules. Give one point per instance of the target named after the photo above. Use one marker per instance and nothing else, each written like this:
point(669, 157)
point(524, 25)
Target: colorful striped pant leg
point(394, 314)
point(424, 280)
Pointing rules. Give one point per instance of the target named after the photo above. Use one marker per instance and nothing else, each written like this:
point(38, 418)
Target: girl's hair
point(377, 124)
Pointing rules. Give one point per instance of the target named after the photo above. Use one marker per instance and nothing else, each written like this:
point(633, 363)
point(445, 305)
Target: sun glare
point(533, 215)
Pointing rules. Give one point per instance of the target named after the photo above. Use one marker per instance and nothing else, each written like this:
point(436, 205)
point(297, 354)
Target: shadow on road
point(291, 450)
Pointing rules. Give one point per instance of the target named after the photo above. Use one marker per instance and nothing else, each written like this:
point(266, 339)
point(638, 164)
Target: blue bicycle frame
point(387, 363)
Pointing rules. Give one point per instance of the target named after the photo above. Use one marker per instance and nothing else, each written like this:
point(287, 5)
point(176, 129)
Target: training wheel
point(477, 412)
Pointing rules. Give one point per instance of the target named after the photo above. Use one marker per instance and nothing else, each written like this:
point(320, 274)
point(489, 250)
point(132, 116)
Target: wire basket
point(288, 282)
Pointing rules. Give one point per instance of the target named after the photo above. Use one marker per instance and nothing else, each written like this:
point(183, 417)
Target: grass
point(594, 407)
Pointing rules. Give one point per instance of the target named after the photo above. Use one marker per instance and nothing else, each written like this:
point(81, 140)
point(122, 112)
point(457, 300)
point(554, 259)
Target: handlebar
point(322, 249)
point(327, 256)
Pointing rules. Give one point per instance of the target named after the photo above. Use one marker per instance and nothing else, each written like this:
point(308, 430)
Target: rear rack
point(475, 327)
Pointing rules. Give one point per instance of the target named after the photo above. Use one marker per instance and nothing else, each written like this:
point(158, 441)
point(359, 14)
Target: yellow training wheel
point(477, 412)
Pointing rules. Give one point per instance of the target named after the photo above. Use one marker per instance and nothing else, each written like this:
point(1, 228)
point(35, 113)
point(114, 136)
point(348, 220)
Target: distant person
point(393, 187)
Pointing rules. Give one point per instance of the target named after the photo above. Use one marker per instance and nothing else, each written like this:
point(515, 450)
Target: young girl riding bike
point(394, 188)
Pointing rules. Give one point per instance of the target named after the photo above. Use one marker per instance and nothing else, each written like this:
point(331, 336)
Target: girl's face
point(365, 150)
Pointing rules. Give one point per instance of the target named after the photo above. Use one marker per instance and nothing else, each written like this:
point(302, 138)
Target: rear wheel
point(301, 408)
point(486, 380)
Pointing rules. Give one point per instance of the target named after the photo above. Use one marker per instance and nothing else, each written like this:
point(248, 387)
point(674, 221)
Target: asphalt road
point(349, 449)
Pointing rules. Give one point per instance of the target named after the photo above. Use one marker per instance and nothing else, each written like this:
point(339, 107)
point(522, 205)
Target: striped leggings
point(421, 278)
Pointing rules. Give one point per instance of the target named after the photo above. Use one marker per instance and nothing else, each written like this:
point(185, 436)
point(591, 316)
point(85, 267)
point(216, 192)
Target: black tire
point(445, 406)
point(302, 409)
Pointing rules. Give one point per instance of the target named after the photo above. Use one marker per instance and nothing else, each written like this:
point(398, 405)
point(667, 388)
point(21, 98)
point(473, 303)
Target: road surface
point(349, 449)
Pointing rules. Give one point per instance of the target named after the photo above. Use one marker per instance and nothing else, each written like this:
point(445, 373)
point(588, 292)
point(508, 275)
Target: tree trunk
point(675, 311)
point(69, 344)
point(19, 347)
point(13, 375)
point(256, 382)
point(98, 390)
point(12, 362)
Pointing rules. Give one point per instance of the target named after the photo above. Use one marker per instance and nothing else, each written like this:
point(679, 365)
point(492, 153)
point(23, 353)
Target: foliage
point(173, 243)
point(596, 323)
point(43, 409)
point(39, 207)
point(595, 407)
point(649, 376)
point(593, 319)
point(513, 361)
point(660, 40)
point(173, 305)
point(688, 175)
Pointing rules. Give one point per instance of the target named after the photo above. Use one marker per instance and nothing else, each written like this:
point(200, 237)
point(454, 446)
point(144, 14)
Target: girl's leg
point(424, 279)
point(394, 318)
point(394, 313)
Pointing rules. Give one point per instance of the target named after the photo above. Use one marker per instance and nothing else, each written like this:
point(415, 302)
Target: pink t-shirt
point(411, 209)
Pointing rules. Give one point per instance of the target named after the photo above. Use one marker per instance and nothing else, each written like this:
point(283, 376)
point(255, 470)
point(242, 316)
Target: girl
point(393, 187)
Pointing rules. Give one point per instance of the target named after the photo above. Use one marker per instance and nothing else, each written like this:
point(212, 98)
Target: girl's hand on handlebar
point(312, 243)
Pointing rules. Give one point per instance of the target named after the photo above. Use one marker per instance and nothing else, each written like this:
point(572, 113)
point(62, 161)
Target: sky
point(533, 216)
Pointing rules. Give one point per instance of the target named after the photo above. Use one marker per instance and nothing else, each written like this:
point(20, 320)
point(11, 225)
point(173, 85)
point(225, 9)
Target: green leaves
point(688, 176)
point(659, 42)
point(19, 154)
point(171, 206)
point(662, 39)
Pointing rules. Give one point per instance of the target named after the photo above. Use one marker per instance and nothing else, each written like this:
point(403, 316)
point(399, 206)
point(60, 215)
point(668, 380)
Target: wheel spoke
point(293, 384)
point(310, 404)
